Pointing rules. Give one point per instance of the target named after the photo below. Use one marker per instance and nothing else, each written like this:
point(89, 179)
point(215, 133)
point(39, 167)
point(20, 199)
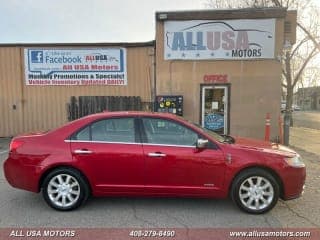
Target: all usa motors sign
point(219, 39)
point(103, 66)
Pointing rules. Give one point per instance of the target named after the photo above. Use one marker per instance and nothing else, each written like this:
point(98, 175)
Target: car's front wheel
point(65, 189)
point(255, 191)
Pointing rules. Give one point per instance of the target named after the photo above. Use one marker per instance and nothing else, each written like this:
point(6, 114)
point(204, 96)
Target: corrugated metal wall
point(10, 91)
point(45, 107)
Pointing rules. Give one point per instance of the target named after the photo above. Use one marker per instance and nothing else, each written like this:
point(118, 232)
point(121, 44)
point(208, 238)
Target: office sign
point(219, 39)
point(215, 78)
point(94, 66)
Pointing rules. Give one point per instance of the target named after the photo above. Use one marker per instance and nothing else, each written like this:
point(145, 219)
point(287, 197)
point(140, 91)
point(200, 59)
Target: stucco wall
point(255, 85)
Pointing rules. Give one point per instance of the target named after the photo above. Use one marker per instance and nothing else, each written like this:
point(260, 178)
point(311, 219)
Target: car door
point(110, 153)
point(174, 164)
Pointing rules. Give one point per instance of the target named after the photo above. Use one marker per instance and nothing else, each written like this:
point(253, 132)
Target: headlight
point(295, 161)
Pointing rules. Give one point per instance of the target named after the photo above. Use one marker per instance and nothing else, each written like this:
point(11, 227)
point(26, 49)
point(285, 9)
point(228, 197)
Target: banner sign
point(219, 39)
point(259, 233)
point(95, 66)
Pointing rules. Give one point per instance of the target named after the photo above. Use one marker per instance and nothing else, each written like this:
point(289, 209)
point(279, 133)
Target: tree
point(296, 58)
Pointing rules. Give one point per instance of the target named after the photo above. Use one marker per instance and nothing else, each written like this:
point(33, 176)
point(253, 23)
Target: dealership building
point(218, 68)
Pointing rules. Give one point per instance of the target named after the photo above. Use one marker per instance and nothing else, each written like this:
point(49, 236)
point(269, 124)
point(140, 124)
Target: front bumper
point(293, 182)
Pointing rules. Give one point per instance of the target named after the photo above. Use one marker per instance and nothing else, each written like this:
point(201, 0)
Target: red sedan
point(151, 154)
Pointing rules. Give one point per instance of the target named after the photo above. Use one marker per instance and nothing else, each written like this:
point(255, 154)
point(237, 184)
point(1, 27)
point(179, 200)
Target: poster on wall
point(219, 39)
point(214, 121)
point(94, 66)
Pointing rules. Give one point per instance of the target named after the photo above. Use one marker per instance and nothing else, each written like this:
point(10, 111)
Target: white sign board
point(219, 39)
point(94, 66)
point(215, 105)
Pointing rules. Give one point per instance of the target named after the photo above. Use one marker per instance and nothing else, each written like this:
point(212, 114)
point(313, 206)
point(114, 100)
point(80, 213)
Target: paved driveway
point(306, 119)
point(23, 209)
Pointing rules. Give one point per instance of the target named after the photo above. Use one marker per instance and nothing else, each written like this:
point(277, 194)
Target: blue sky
point(52, 21)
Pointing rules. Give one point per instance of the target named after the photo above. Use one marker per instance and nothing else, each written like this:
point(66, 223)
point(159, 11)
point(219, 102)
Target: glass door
point(214, 112)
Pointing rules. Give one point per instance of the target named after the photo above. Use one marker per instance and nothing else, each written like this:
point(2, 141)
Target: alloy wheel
point(256, 193)
point(63, 190)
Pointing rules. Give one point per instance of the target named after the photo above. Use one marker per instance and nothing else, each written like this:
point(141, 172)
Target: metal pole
point(286, 127)
point(280, 130)
point(267, 128)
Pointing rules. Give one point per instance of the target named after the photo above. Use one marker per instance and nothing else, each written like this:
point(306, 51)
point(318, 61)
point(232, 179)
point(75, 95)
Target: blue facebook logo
point(37, 56)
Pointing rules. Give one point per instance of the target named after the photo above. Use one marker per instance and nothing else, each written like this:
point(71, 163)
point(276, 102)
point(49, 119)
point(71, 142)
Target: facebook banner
point(95, 66)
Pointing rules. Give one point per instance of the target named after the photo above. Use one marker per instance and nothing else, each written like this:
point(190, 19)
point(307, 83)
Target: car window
point(113, 130)
point(161, 131)
point(212, 134)
point(109, 130)
point(83, 134)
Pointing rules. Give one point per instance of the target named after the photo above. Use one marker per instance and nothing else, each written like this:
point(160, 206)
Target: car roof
point(70, 127)
point(131, 113)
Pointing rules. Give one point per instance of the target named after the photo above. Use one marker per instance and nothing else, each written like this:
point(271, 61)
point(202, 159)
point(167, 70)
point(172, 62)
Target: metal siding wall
point(10, 91)
point(45, 107)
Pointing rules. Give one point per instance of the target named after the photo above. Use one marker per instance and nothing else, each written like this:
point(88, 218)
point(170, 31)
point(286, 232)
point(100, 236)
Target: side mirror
point(202, 143)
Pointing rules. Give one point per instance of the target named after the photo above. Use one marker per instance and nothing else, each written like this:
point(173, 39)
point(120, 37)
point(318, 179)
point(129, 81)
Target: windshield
point(212, 134)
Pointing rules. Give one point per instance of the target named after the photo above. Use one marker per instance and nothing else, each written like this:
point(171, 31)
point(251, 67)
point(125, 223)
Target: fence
point(85, 105)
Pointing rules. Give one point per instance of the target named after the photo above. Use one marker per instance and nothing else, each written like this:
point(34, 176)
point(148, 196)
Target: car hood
point(264, 146)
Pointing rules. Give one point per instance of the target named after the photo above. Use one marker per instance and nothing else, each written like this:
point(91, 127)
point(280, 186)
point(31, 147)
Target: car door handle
point(156, 154)
point(82, 151)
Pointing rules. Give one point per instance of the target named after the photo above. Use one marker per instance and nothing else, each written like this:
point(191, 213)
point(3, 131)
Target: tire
point(255, 191)
point(65, 189)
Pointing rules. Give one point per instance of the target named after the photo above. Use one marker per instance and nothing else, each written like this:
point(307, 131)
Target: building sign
point(219, 39)
point(94, 66)
point(215, 78)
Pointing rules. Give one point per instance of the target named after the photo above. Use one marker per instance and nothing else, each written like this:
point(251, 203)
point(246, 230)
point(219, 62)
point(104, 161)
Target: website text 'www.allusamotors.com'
point(256, 233)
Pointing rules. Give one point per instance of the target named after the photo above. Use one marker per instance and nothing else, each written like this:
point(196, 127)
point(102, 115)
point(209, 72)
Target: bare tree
point(296, 59)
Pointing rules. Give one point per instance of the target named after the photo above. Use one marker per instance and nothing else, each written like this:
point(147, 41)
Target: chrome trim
point(156, 155)
point(148, 144)
point(80, 151)
point(168, 145)
point(202, 143)
point(229, 158)
point(82, 141)
point(208, 185)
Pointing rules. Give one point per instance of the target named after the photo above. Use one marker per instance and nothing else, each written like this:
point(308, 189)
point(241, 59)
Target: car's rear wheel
point(65, 189)
point(255, 191)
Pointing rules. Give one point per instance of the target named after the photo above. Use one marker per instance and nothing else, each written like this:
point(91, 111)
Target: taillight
point(15, 143)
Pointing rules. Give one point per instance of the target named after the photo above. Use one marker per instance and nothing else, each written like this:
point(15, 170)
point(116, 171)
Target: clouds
point(83, 20)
